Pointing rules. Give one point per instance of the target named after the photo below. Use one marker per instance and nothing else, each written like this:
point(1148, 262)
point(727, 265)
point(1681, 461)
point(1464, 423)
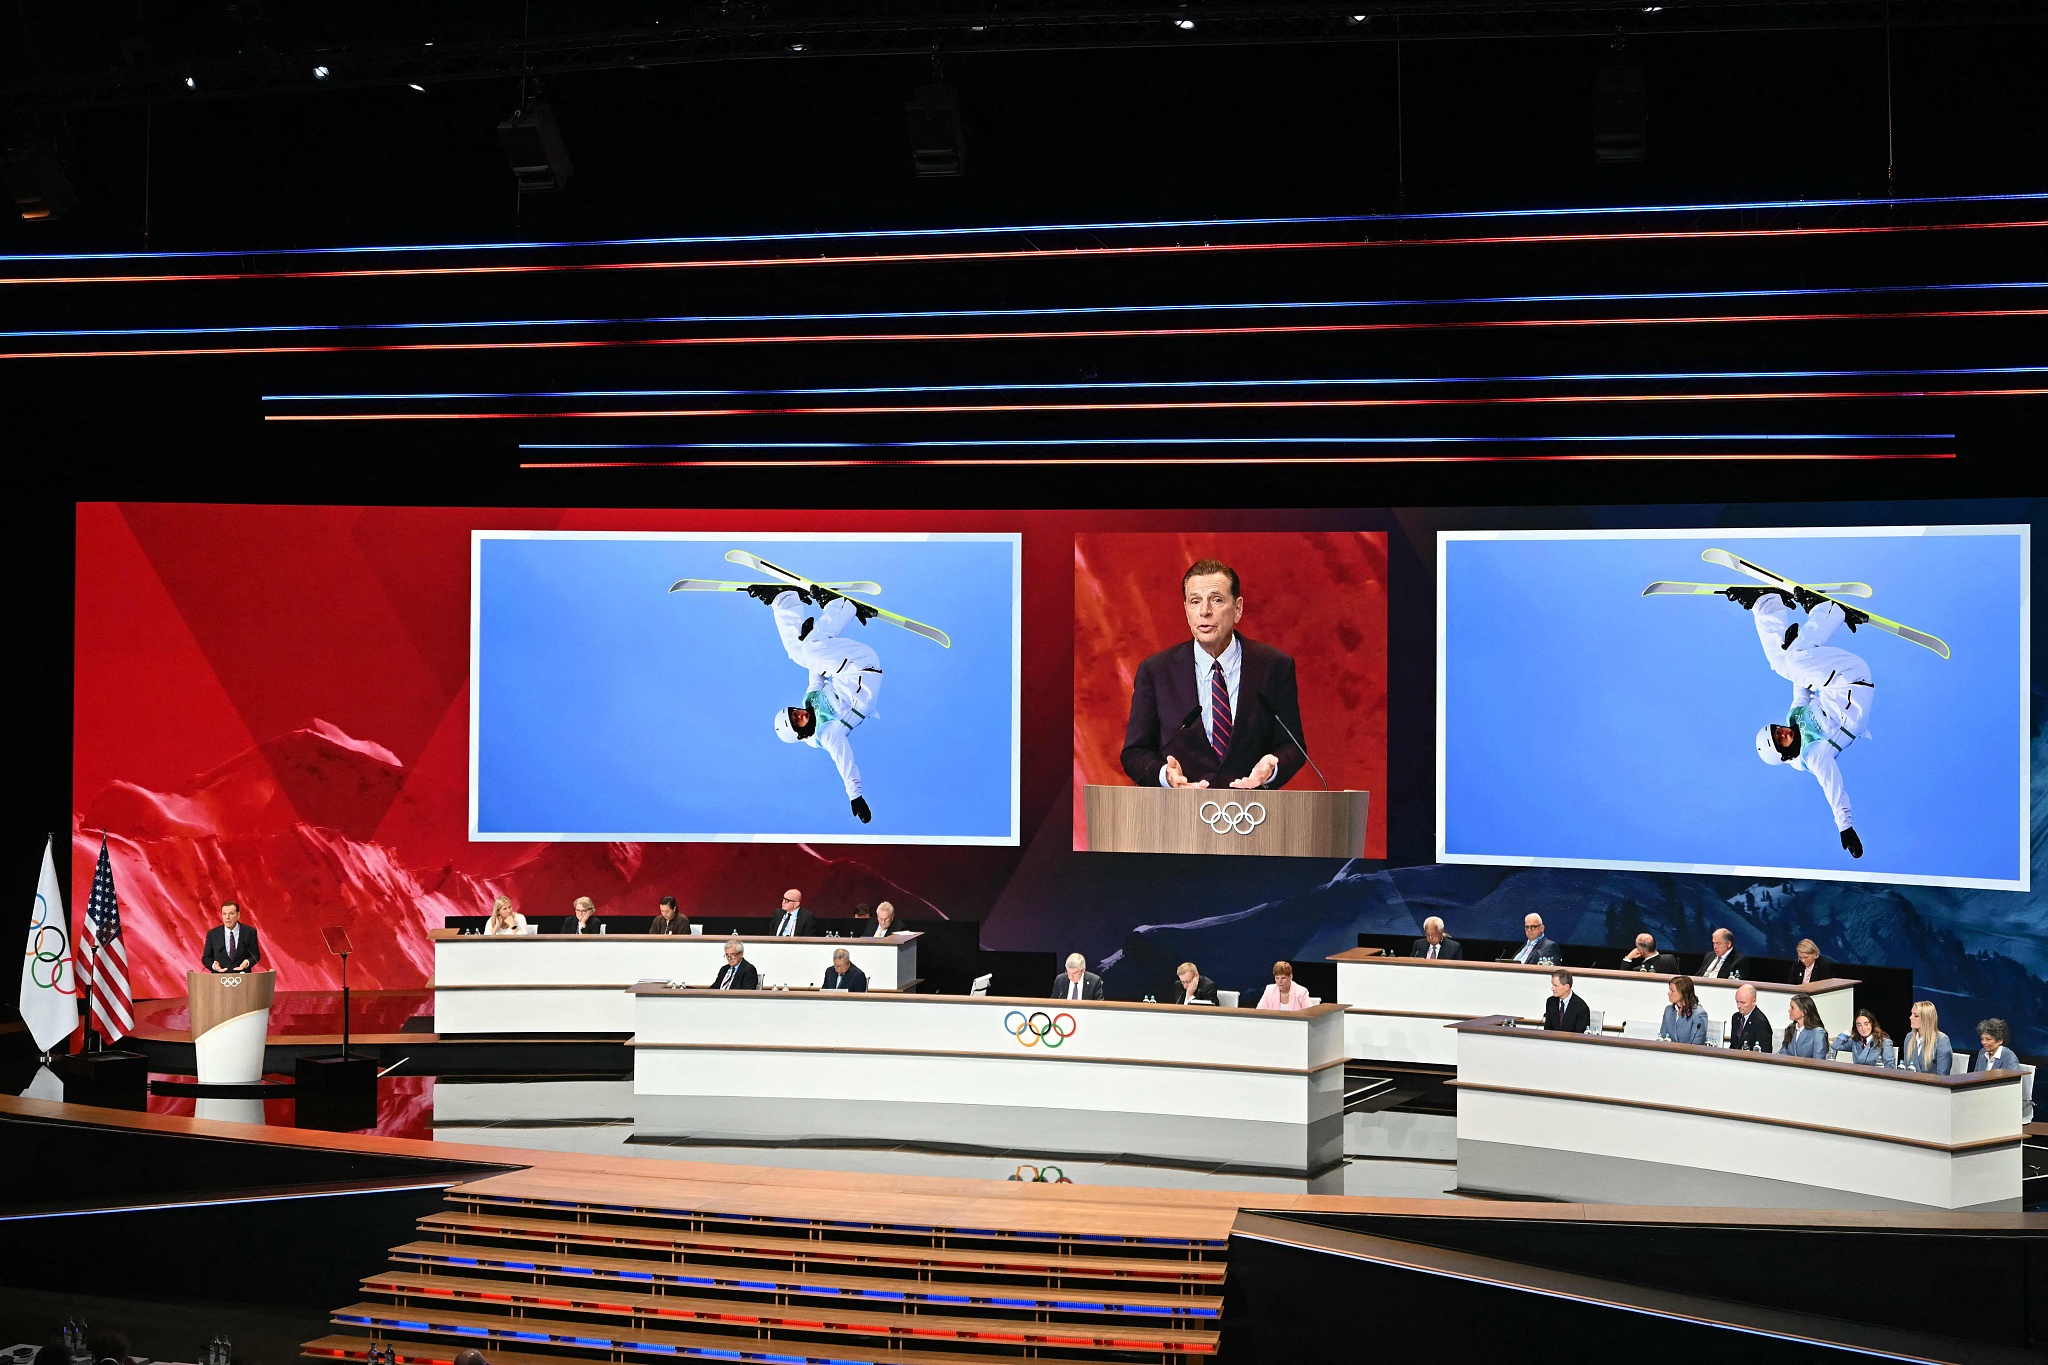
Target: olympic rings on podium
point(1232, 818)
point(1039, 1027)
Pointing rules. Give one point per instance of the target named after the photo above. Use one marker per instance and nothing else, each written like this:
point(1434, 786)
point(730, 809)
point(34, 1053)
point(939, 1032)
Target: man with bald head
point(796, 922)
point(1540, 949)
point(1748, 1028)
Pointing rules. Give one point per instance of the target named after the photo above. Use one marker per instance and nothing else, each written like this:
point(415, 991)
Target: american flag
point(103, 954)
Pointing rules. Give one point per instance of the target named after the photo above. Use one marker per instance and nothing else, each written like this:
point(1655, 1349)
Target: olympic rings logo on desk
point(1039, 1027)
point(1232, 818)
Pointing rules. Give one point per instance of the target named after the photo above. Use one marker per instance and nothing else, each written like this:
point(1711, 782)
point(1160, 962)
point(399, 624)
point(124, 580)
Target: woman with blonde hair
point(1927, 1047)
point(504, 919)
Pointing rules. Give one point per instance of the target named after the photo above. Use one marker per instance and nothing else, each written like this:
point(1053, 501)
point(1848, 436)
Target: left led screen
point(627, 686)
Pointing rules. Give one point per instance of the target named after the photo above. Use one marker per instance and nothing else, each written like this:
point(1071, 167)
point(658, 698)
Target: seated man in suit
point(1077, 982)
point(232, 947)
point(795, 921)
point(1646, 958)
point(1434, 945)
point(1726, 962)
point(737, 974)
point(1747, 1027)
point(1195, 989)
point(885, 920)
point(1540, 948)
point(582, 918)
point(1812, 966)
point(842, 975)
point(1565, 1012)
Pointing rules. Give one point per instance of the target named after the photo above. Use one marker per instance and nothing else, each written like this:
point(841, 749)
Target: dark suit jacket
point(1737, 965)
point(1091, 986)
point(679, 925)
point(567, 925)
point(1666, 963)
point(1450, 950)
point(854, 980)
point(1577, 1014)
point(745, 978)
point(1205, 989)
point(1163, 694)
point(806, 923)
point(1822, 970)
point(1755, 1029)
point(214, 956)
point(1547, 952)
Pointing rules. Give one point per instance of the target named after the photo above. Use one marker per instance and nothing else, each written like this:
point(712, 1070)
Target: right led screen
point(1758, 702)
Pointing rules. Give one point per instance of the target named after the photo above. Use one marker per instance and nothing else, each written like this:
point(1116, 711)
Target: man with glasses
point(795, 922)
point(737, 974)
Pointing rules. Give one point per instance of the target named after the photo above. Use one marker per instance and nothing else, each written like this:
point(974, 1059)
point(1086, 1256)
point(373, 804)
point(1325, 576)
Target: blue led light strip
point(1138, 225)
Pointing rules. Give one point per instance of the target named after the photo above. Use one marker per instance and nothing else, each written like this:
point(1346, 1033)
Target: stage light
point(938, 142)
point(191, 84)
point(415, 85)
point(1621, 109)
point(321, 73)
point(534, 149)
point(1184, 25)
point(37, 181)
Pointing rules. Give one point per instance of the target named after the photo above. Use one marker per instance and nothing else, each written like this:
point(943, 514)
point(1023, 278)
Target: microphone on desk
point(1274, 712)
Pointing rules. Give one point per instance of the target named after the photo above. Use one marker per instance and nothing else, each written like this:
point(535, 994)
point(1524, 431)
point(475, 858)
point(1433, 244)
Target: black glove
point(1854, 618)
point(1807, 598)
point(860, 808)
point(803, 632)
point(1746, 598)
point(865, 613)
point(1852, 843)
point(764, 593)
point(825, 595)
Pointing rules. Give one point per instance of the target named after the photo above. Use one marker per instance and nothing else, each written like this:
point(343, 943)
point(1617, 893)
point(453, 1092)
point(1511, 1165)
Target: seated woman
point(669, 918)
point(504, 919)
point(1283, 994)
point(1996, 1056)
point(1804, 1036)
point(1865, 1041)
point(1927, 1047)
point(1684, 1020)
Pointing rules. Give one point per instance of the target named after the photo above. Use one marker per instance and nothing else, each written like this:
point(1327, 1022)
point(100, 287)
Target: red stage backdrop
point(1320, 596)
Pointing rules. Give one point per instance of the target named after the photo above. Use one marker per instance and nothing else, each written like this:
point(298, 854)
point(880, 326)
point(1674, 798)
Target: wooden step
point(1159, 1337)
point(469, 1197)
point(342, 1346)
point(866, 1289)
point(948, 1260)
point(636, 1339)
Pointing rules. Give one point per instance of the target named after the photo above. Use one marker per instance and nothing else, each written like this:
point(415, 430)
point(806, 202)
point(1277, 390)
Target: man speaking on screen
point(1216, 710)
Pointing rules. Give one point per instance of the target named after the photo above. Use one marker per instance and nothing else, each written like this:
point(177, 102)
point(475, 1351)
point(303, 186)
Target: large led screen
point(1844, 703)
point(750, 687)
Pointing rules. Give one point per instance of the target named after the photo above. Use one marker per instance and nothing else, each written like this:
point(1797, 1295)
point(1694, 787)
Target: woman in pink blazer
point(1283, 994)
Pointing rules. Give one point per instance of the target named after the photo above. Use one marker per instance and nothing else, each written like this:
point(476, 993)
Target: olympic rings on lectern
point(1039, 1027)
point(1232, 818)
point(46, 950)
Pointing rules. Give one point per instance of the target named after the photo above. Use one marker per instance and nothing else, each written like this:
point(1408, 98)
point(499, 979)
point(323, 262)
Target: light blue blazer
point(1684, 1030)
point(1909, 1054)
point(1866, 1054)
point(1808, 1042)
point(2003, 1060)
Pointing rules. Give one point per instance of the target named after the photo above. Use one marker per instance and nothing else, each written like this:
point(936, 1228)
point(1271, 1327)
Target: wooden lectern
point(230, 1017)
point(1273, 823)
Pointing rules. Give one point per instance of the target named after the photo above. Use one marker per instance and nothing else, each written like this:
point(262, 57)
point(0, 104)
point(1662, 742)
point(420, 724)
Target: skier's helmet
point(786, 728)
point(1767, 748)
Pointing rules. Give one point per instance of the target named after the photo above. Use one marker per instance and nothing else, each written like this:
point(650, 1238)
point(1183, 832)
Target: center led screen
point(1845, 703)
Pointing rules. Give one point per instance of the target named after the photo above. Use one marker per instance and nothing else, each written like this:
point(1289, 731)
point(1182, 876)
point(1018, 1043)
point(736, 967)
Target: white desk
point(1260, 1088)
point(1622, 1121)
point(526, 984)
point(1399, 1005)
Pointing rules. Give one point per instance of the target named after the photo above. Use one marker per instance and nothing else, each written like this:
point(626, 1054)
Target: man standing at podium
point(1216, 710)
point(232, 947)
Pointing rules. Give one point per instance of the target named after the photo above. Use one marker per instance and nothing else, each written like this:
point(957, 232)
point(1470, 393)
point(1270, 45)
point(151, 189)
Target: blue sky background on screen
point(608, 706)
point(1584, 722)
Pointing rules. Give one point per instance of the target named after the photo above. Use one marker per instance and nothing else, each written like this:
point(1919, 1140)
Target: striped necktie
point(1219, 710)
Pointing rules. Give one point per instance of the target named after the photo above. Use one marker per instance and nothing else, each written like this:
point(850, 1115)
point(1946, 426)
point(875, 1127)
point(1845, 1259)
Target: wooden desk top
point(1372, 957)
point(1026, 1002)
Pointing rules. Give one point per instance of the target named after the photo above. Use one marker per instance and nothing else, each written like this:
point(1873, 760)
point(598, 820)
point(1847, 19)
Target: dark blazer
point(1450, 950)
point(744, 977)
point(1822, 970)
point(1737, 965)
point(1091, 986)
point(1547, 952)
point(1163, 694)
point(854, 980)
point(1665, 963)
point(214, 956)
point(1755, 1029)
point(567, 925)
point(1577, 1014)
point(1205, 989)
point(679, 925)
point(806, 923)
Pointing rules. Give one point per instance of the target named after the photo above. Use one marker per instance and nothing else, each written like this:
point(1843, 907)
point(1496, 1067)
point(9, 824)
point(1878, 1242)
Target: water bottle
point(74, 1341)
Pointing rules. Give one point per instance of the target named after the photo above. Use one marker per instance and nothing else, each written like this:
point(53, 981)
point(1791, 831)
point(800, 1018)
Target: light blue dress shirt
point(1909, 1054)
point(1691, 1028)
point(1232, 659)
point(1867, 1052)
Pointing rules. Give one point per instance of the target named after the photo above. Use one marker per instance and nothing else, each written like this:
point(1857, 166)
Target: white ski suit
point(1831, 691)
point(844, 676)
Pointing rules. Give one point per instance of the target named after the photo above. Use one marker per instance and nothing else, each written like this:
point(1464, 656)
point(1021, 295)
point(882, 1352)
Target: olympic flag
point(49, 994)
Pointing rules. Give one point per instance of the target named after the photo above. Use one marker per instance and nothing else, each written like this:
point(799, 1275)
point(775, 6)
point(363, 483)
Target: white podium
point(230, 1020)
